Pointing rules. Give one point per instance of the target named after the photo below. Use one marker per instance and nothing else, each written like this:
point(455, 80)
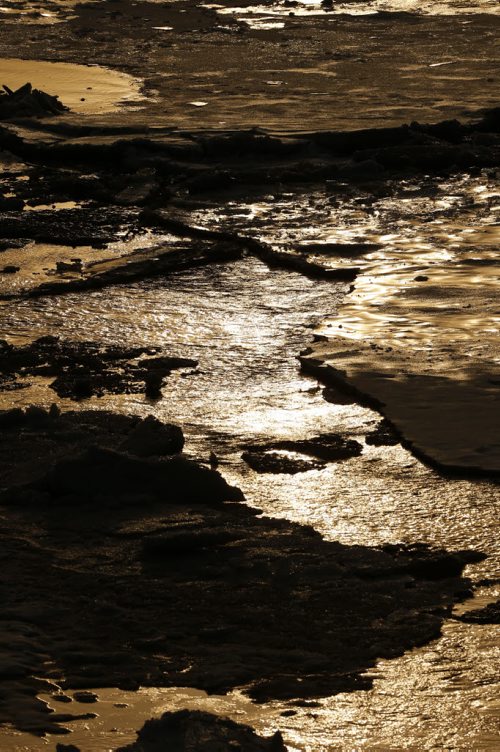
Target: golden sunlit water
point(238, 320)
point(425, 297)
point(265, 15)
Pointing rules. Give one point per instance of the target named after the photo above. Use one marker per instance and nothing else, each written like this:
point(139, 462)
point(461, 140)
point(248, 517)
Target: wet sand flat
point(211, 70)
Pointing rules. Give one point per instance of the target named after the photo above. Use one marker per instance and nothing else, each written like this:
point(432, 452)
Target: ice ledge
point(450, 421)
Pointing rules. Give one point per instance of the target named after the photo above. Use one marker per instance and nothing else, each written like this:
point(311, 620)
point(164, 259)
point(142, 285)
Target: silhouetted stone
point(153, 383)
point(28, 102)
point(327, 447)
point(382, 435)
point(99, 473)
point(197, 731)
point(274, 462)
point(151, 437)
point(86, 369)
point(85, 696)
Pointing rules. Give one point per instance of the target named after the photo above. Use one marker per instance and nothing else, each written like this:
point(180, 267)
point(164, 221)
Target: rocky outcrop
point(99, 474)
point(88, 369)
point(283, 456)
point(28, 102)
point(151, 437)
point(196, 731)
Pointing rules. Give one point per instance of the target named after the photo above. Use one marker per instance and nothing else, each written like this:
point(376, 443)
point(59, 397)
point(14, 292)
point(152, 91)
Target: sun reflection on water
point(245, 324)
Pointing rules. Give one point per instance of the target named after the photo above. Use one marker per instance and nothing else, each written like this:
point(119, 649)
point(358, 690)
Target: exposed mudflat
point(209, 69)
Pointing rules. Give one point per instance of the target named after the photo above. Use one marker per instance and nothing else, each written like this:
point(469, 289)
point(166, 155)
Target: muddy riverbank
point(204, 67)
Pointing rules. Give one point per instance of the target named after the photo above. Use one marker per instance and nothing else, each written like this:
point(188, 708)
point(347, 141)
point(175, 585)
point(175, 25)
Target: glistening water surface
point(267, 15)
point(245, 324)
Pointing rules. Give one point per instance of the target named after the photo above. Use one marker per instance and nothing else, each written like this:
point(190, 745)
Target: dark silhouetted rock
point(382, 435)
point(274, 462)
point(326, 447)
point(85, 696)
point(153, 383)
point(28, 102)
point(151, 438)
point(100, 473)
point(196, 731)
point(86, 369)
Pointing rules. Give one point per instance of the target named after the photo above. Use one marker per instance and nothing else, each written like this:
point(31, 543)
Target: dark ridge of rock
point(100, 474)
point(151, 264)
point(428, 564)
point(274, 462)
point(348, 142)
point(28, 102)
point(337, 397)
point(243, 143)
point(41, 437)
point(382, 435)
point(490, 614)
point(86, 369)
point(342, 250)
point(327, 447)
point(151, 437)
point(200, 161)
point(85, 696)
point(273, 257)
point(197, 731)
point(296, 262)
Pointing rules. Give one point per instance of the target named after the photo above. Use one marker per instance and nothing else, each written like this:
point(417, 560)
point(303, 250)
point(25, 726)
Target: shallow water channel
point(246, 324)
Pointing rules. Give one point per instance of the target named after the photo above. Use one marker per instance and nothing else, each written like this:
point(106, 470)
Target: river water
point(246, 325)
